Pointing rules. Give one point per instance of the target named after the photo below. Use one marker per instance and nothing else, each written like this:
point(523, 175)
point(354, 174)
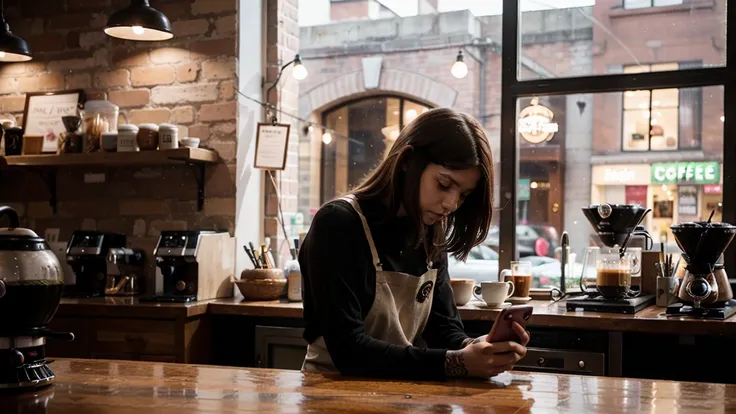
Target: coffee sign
point(535, 123)
point(686, 172)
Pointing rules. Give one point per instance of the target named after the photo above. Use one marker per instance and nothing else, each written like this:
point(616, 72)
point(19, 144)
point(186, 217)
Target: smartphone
point(502, 330)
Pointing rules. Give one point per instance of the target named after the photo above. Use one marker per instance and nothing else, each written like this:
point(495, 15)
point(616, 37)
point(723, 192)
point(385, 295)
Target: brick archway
point(398, 82)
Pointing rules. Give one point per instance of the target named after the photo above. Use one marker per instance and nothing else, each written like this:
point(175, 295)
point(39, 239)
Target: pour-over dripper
point(703, 242)
point(613, 225)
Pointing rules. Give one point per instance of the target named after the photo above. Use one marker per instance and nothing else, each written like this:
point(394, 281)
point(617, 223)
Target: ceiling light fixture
point(12, 47)
point(139, 21)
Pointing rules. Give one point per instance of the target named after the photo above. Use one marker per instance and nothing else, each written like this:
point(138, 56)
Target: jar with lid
point(168, 136)
point(127, 138)
point(148, 137)
point(98, 117)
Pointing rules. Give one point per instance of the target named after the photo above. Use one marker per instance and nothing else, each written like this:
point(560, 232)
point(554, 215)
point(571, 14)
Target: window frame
point(323, 121)
point(512, 89)
point(651, 4)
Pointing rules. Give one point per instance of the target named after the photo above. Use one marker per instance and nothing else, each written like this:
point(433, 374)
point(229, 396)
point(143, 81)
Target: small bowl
point(261, 289)
point(190, 142)
point(260, 274)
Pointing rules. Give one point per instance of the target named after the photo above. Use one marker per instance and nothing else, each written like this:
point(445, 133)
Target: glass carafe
point(607, 273)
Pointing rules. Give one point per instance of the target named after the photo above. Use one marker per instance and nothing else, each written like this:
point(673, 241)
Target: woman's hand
point(479, 358)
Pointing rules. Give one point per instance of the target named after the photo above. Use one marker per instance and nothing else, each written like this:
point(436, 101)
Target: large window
point(361, 133)
point(641, 4)
point(661, 119)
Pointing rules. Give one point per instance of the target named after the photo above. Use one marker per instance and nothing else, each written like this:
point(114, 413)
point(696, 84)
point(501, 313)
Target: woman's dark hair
point(453, 140)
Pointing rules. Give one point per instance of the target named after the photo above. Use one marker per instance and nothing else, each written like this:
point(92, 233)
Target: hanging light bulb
point(326, 138)
point(299, 72)
point(12, 47)
point(459, 68)
point(139, 21)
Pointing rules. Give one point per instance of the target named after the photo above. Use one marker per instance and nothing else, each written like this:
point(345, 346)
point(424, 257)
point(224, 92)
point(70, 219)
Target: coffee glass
point(613, 276)
point(494, 294)
point(520, 274)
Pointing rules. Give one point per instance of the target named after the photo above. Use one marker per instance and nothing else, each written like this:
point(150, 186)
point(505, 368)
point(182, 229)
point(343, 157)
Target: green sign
point(686, 172)
point(523, 193)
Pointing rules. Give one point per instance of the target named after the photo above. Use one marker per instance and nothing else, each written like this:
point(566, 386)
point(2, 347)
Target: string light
point(327, 138)
point(459, 68)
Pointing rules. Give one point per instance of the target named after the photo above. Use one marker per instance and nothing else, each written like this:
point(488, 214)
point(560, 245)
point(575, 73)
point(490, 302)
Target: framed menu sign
point(43, 112)
point(272, 142)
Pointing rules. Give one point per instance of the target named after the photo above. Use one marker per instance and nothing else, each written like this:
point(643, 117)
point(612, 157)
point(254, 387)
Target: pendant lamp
point(139, 21)
point(12, 47)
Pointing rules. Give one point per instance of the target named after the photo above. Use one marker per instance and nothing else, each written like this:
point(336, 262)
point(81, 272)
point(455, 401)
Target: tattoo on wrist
point(455, 364)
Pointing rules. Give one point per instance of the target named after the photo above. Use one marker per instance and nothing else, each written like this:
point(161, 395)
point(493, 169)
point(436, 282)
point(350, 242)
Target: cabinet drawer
point(78, 348)
point(132, 336)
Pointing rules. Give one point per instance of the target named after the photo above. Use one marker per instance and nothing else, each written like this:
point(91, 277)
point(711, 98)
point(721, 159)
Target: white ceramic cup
point(462, 290)
point(494, 293)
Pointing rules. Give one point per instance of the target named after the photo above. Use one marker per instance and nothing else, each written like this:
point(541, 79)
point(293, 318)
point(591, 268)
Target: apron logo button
point(424, 291)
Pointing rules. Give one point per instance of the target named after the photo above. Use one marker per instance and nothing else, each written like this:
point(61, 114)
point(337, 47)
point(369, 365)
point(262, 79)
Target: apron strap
point(354, 203)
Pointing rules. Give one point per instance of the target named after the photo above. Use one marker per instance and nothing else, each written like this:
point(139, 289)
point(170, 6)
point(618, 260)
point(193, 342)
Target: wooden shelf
point(113, 159)
point(46, 165)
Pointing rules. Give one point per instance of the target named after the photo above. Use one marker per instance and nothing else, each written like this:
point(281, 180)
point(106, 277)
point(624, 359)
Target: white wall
point(249, 188)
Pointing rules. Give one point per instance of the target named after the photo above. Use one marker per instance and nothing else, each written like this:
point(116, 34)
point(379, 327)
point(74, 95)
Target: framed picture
point(272, 143)
point(43, 112)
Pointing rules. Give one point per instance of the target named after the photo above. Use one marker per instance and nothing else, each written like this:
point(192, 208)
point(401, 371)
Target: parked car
point(531, 240)
point(481, 265)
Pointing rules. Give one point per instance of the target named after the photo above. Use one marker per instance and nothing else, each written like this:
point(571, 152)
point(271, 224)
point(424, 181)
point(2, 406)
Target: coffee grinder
point(194, 265)
point(87, 253)
point(616, 226)
point(704, 290)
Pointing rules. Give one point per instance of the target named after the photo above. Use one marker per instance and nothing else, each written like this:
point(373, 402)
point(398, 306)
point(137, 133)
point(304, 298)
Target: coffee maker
point(31, 284)
point(616, 225)
point(194, 265)
point(704, 290)
point(86, 253)
point(125, 269)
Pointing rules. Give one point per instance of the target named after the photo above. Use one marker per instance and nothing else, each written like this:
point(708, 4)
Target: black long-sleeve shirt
point(340, 286)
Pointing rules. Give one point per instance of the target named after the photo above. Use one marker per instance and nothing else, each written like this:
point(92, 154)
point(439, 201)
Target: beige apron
point(400, 309)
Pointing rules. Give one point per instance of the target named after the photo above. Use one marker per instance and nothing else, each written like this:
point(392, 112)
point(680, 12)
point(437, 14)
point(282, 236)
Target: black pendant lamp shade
point(12, 47)
point(139, 21)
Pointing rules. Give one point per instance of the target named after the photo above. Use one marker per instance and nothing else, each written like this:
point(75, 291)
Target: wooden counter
point(546, 314)
point(101, 386)
point(122, 307)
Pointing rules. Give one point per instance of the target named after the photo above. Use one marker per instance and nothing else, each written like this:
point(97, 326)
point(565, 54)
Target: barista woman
point(377, 296)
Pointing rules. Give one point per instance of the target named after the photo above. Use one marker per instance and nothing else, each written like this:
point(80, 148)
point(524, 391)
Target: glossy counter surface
point(129, 307)
point(102, 386)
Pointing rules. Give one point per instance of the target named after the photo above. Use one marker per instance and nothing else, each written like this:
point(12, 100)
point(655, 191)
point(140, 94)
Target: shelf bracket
point(49, 178)
point(199, 177)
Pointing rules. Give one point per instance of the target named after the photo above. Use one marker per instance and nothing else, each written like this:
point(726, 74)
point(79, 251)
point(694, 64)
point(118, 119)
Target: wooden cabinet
point(135, 335)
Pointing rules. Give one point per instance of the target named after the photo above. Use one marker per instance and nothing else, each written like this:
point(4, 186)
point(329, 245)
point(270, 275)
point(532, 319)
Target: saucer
point(519, 300)
point(485, 306)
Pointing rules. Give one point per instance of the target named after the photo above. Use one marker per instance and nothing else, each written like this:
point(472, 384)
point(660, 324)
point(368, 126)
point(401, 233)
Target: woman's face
point(443, 190)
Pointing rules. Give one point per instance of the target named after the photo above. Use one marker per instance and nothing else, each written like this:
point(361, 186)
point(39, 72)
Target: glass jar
point(98, 117)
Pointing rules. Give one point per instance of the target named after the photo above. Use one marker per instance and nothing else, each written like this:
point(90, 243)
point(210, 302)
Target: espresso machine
point(86, 254)
point(125, 270)
point(704, 290)
point(617, 227)
point(194, 265)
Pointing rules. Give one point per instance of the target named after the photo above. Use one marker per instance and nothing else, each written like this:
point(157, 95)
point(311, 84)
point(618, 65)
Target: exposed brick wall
point(189, 80)
point(282, 40)
point(349, 10)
